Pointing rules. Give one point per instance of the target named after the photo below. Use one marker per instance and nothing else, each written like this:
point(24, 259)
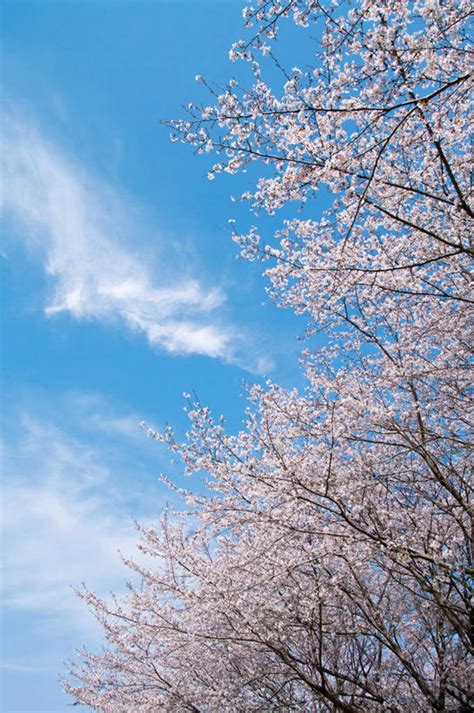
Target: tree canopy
point(329, 565)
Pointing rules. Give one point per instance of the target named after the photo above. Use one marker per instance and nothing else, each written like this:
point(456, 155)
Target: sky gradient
point(120, 291)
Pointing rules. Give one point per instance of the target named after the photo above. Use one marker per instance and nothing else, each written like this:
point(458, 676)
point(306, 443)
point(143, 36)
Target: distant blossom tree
point(330, 566)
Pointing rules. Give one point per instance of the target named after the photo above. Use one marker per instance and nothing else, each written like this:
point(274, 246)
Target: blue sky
point(120, 291)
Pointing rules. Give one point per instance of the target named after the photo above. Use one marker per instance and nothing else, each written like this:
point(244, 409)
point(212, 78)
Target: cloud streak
point(77, 471)
point(84, 231)
point(66, 512)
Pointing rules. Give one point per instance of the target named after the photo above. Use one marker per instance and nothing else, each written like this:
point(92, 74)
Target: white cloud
point(77, 471)
point(17, 667)
point(84, 230)
point(65, 518)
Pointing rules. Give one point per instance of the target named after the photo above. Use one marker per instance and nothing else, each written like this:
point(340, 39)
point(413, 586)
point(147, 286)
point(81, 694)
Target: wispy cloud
point(84, 230)
point(67, 510)
point(27, 668)
point(76, 472)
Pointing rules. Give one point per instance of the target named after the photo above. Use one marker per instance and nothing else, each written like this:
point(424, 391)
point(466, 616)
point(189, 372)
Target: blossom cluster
point(328, 564)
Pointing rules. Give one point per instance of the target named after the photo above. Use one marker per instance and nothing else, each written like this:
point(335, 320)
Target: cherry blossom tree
point(328, 565)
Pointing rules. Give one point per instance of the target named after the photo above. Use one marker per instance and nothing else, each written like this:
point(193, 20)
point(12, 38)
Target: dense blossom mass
point(328, 566)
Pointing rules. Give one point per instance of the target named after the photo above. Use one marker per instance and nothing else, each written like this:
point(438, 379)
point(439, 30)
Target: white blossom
point(328, 565)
